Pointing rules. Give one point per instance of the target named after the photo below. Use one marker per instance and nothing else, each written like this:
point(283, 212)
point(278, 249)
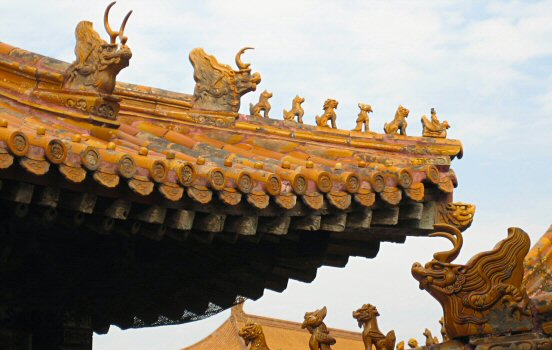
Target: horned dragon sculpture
point(98, 62)
point(219, 87)
point(485, 295)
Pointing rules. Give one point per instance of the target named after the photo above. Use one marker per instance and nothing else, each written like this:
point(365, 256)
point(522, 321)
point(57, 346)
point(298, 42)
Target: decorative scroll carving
point(430, 339)
point(286, 201)
point(363, 117)
point(142, 187)
point(391, 195)
point(262, 105)
point(416, 192)
point(37, 167)
point(71, 173)
point(230, 196)
point(98, 62)
point(106, 179)
point(296, 110)
point(259, 200)
point(456, 214)
point(171, 191)
point(253, 336)
point(399, 123)
point(433, 127)
point(329, 114)
point(320, 336)
point(314, 200)
point(366, 317)
point(6, 160)
point(218, 86)
point(339, 199)
point(446, 184)
point(485, 295)
point(365, 197)
point(200, 194)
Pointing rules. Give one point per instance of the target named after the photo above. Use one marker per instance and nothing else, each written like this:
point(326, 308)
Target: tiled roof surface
point(162, 145)
point(279, 334)
point(538, 266)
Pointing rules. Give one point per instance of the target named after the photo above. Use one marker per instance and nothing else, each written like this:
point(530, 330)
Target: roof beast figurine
point(484, 296)
point(363, 117)
point(296, 110)
point(329, 114)
point(262, 105)
point(371, 334)
point(252, 334)
point(433, 127)
point(98, 63)
point(219, 87)
point(320, 336)
point(398, 123)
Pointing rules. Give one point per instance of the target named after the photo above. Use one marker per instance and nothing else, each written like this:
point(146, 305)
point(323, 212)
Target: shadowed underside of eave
point(64, 248)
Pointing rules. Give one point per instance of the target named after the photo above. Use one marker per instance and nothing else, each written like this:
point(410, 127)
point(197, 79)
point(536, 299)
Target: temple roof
point(279, 334)
point(160, 183)
point(161, 143)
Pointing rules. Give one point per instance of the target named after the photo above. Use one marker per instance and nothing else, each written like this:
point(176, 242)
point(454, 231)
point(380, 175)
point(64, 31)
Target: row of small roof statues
point(321, 339)
point(431, 127)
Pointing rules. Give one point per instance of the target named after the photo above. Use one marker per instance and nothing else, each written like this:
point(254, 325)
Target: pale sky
point(485, 66)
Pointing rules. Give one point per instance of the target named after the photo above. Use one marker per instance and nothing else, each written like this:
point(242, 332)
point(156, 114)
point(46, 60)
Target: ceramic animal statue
point(296, 110)
point(399, 123)
point(219, 87)
point(253, 336)
point(320, 336)
point(366, 317)
point(433, 127)
point(430, 339)
point(329, 114)
point(363, 117)
point(443, 330)
point(412, 343)
point(457, 214)
point(400, 345)
point(483, 296)
point(262, 105)
point(97, 62)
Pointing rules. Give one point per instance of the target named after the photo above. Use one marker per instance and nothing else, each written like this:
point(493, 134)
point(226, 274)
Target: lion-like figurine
point(412, 343)
point(363, 117)
point(366, 317)
point(430, 339)
point(484, 296)
point(253, 336)
point(219, 87)
point(399, 122)
point(98, 62)
point(262, 105)
point(296, 110)
point(320, 336)
point(329, 114)
point(433, 127)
